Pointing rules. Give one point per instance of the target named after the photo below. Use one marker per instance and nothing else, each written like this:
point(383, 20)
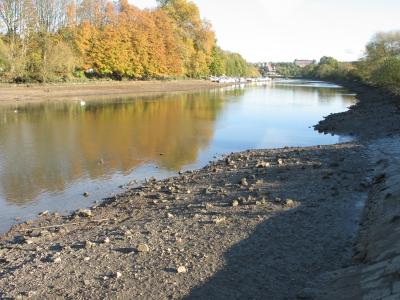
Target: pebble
point(29, 241)
point(219, 220)
point(89, 244)
point(86, 213)
point(181, 269)
point(86, 282)
point(289, 203)
point(261, 202)
point(244, 182)
point(106, 240)
point(235, 203)
point(143, 248)
point(262, 164)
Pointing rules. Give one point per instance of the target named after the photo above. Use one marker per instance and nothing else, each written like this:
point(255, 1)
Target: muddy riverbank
point(96, 90)
point(256, 224)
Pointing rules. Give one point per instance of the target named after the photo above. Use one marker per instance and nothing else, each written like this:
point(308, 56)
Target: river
point(52, 153)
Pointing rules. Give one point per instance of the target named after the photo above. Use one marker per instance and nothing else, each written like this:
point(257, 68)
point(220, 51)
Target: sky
point(285, 30)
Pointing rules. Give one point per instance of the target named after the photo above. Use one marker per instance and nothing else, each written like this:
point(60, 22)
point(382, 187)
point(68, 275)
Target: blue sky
point(283, 30)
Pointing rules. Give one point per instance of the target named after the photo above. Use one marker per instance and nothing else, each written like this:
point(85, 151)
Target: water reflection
point(51, 153)
point(45, 146)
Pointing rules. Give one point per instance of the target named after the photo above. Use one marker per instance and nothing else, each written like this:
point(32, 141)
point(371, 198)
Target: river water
point(51, 153)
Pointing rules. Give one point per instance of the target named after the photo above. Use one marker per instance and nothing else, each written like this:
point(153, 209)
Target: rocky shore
point(305, 223)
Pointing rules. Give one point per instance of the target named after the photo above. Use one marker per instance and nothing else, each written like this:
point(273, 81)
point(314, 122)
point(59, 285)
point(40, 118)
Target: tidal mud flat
point(32, 93)
point(275, 224)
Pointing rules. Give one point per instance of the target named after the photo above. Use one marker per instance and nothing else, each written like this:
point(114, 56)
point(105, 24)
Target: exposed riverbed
point(257, 224)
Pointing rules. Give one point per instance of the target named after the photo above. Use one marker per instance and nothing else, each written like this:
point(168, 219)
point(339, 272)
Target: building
point(303, 62)
point(266, 67)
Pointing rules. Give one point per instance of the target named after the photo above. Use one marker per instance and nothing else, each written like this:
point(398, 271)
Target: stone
point(88, 244)
point(181, 269)
point(262, 164)
point(106, 240)
point(261, 202)
point(57, 260)
point(244, 182)
point(170, 216)
point(289, 203)
point(128, 233)
point(235, 203)
point(29, 241)
point(85, 213)
point(219, 220)
point(143, 248)
point(280, 161)
point(209, 206)
point(118, 275)
point(86, 282)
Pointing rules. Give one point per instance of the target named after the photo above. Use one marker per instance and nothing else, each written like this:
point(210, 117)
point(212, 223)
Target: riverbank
point(263, 223)
point(97, 90)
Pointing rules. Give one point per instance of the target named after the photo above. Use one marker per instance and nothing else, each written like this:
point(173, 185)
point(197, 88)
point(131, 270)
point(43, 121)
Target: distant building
point(303, 62)
point(266, 67)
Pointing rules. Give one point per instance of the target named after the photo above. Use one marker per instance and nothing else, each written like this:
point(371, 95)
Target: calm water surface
point(51, 153)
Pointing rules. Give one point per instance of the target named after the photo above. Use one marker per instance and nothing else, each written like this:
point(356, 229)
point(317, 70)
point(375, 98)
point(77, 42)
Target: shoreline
point(16, 94)
point(260, 222)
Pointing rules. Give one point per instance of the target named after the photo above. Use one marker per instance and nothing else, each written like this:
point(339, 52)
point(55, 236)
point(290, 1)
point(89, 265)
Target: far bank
point(14, 93)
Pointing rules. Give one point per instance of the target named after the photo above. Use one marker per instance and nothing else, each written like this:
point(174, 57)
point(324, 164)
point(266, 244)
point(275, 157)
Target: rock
point(261, 202)
point(289, 203)
point(57, 260)
point(262, 164)
point(219, 220)
point(29, 241)
point(88, 244)
point(118, 275)
point(85, 213)
point(209, 206)
point(280, 161)
point(34, 233)
point(143, 248)
point(235, 203)
point(170, 216)
point(86, 282)
point(181, 269)
point(106, 240)
point(244, 182)
point(128, 233)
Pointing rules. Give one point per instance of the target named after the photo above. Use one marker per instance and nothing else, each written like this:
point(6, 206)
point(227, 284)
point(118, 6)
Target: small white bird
point(83, 103)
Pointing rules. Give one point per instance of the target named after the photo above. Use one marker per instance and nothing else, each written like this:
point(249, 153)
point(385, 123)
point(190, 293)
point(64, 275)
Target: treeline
point(288, 69)
point(380, 65)
point(52, 40)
